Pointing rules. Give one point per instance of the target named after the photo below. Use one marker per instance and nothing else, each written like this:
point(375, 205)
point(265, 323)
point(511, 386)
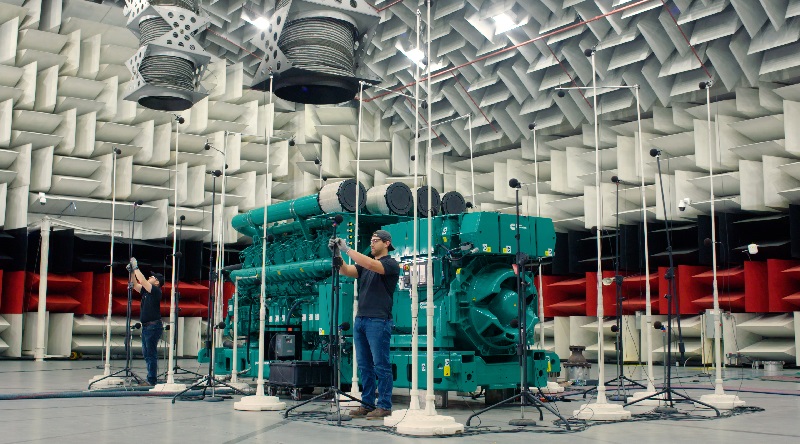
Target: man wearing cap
point(377, 280)
point(150, 316)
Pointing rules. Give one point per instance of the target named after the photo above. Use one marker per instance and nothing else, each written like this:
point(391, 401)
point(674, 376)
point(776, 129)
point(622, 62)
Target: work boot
point(359, 412)
point(379, 413)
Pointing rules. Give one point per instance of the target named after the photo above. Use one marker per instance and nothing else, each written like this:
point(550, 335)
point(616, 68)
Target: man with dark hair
point(377, 280)
point(150, 316)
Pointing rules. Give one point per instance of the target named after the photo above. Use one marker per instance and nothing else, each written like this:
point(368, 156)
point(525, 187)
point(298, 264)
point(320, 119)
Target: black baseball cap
point(384, 236)
point(160, 278)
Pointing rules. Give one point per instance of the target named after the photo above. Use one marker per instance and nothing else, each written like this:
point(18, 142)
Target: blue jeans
point(371, 338)
point(151, 334)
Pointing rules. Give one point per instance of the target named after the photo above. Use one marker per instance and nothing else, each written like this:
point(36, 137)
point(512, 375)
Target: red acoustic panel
point(100, 285)
point(784, 285)
point(609, 294)
point(634, 293)
point(687, 289)
point(756, 287)
point(193, 299)
point(13, 292)
point(730, 289)
point(565, 297)
point(65, 293)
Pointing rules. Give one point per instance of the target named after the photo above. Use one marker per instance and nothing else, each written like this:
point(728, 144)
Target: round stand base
point(335, 417)
point(259, 403)
point(552, 387)
point(722, 402)
point(210, 398)
point(108, 383)
point(522, 422)
point(169, 388)
point(641, 395)
point(418, 423)
point(601, 412)
point(666, 410)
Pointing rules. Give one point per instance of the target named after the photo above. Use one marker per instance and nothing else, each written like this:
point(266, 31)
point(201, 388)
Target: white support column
point(41, 324)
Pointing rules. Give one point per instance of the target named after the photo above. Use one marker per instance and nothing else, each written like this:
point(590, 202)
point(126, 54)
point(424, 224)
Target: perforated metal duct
point(166, 69)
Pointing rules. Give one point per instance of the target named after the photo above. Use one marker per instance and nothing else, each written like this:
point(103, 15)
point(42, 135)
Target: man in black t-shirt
point(150, 317)
point(377, 280)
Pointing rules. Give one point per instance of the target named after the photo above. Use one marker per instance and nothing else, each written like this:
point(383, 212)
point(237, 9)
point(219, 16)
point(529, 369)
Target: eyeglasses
point(374, 241)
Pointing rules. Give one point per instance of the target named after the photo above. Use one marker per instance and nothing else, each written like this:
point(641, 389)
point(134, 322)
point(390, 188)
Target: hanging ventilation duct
point(167, 68)
point(314, 50)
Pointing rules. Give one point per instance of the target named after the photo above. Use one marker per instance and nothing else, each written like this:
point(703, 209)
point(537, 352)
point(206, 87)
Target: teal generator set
point(474, 288)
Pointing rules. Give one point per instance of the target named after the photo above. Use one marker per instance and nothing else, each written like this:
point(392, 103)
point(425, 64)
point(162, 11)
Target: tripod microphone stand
point(334, 347)
point(127, 372)
point(525, 394)
point(176, 368)
point(209, 381)
point(621, 381)
point(667, 391)
point(110, 381)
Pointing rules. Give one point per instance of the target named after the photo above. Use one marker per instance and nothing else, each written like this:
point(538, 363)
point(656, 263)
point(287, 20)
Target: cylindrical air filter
point(341, 197)
point(392, 198)
point(422, 201)
point(453, 203)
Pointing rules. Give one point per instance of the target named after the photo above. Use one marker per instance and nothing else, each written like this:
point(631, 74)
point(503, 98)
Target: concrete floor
point(157, 420)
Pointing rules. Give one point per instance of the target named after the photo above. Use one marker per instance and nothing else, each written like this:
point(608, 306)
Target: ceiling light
point(504, 22)
point(417, 56)
point(260, 22)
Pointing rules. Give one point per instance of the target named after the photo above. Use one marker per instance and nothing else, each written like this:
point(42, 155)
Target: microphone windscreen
point(614, 328)
point(182, 218)
point(139, 202)
point(514, 323)
point(345, 326)
point(654, 152)
point(657, 325)
point(513, 183)
point(593, 230)
point(588, 52)
point(338, 219)
point(270, 238)
point(707, 242)
point(614, 179)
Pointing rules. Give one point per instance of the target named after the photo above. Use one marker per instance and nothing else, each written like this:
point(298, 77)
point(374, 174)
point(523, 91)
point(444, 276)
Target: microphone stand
point(106, 376)
point(621, 380)
point(668, 406)
point(525, 394)
point(334, 358)
point(209, 381)
point(176, 368)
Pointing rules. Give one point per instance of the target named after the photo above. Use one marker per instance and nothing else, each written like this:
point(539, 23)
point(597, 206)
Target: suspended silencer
point(453, 202)
point(393, 198)
point(422, 201)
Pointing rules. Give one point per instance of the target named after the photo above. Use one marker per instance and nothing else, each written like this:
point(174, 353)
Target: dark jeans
point(371, 338)
point(151, 334)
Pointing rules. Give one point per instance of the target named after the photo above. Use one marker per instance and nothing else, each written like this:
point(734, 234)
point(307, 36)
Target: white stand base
point(168, 388)
point(552, 387)
point(601, 412)
point(258, 403)
point(417, 423)
point(108, 383)
point(640, 395)
point(722, 402)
